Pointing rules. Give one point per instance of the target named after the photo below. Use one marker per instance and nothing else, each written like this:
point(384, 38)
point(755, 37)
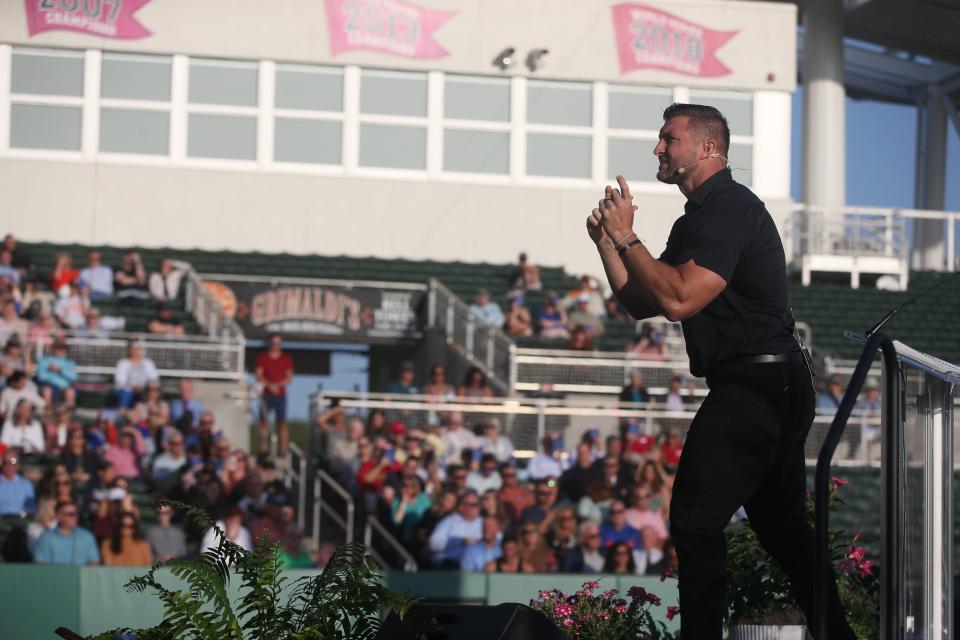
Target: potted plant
point(759, 602)
point(584, 615)
point(344, 601)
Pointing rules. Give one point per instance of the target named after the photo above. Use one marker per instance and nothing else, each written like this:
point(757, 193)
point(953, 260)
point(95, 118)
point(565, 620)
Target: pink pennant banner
point(103, 18)
point(388, 26)
point(648, 38)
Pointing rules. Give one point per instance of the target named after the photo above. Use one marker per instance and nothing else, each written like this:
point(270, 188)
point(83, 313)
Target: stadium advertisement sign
point(388, 26)
point(648, 38)
point(101, 18)
point(320, 312)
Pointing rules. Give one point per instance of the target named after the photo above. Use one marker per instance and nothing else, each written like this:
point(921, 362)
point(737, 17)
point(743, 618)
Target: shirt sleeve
point(715, 241)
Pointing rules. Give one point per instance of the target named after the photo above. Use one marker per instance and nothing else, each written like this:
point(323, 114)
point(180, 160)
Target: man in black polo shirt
point(723, 276)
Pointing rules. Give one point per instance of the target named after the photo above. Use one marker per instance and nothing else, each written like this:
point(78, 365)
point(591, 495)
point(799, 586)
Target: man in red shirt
point(274, 372)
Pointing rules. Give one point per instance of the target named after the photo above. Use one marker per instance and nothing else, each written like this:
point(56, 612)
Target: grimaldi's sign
point(325, 311)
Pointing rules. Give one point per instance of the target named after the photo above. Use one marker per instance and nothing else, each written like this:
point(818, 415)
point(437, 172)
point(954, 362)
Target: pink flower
point(591, 584)
point(545, 595)
point(856, 554)
point(857, 537)
point(568, 622)
point(836, 483)
point(621, 609)
point(672, 611)
point(866, 569)
point(609, 593)
point(667, 573)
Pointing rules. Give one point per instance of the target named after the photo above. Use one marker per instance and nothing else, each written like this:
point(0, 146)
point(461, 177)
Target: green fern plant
point(343, 602)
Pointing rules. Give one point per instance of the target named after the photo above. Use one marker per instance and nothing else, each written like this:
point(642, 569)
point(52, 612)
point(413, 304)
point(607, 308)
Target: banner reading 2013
point(102, 18)
point(388, 26)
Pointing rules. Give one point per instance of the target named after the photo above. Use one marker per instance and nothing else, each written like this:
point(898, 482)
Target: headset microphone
point(683, 170)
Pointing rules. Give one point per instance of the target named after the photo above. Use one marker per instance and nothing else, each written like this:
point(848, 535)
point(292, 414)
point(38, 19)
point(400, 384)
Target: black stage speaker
point(508, 621)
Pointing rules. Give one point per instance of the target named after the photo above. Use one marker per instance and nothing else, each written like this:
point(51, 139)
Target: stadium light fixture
point(504, 59)
point(534, 58)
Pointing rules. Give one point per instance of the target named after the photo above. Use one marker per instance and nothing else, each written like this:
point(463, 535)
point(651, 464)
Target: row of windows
point(309, 109)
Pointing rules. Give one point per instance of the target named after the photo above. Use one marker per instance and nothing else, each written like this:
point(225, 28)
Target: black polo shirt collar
point(696, 199)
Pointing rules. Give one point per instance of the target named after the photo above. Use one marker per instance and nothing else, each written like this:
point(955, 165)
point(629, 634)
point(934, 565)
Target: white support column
point(824, 153)
point(435, 123)
point(265, 122)
point(601, 172)
point(518, 129)
point(351, 125)
point(179, 87)
point(771, 136)
point(929, 235)
point(90, 134)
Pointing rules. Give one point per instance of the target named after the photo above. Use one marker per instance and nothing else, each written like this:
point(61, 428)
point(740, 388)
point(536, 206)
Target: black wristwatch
point(622, 249)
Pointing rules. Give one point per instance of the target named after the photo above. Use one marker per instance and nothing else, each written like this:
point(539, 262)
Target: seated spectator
point(646, 345)
point(670, 449)
point(635, 391)
point(273, 521)
point(185, 411)
point(490, 505)
point(552, 319)
point(616, 529)
point(405, 384)
point(510, 560)
point(620, 559)
point(589, 287)
point(63, 274)
point(164, 323)
point(67, 543)
point(543, 511)
point(486, 549)
point(581, 316)
point(132, 376)
point(641, 515)
point(580, 340)
point(152, 401)
point(457, 478)
point(653, 477)
point(17, 497)
point(456, 532)
point(514, 497)
point(614, 311)
point(342, 449)
point(45, 520)
point(71, 309)
point(519, 321)
point(93, 328)
point(19, 387)
point(650, 558)
point(44, 331)
point(7, 270)
point(561, 538)
point(57, 373)
point(291, 553)
point(125, 456)
point(595, 503)
point(828, 400)
point(484, 312)
point(575, 480)
point(21, 261)
point(494, 443)
point(130, 280)
point(166, 540)
point(97, 278)
point(615, 472)
point(475, 385)
point(23, 430)
point(231, 526)
point(869, 406)
point(408, 508)
point(438, 387)
point(78, 459)
point(11, 324)
point(457, 438)
point(443, 504)
point(171, 460)
point(486, 477)
point(206, 437)
point(545, 464)
point(126, 546)
point(586, 556)
point(372, 474)
point(165, 283)
point(37, 299)
point(534, 550)
point(674, 399)
point(526, 275)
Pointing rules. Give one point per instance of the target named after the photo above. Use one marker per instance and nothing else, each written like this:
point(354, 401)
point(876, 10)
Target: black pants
point(745, 447)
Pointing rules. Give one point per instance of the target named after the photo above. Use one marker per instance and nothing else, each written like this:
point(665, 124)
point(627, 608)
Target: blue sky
point(881, 154)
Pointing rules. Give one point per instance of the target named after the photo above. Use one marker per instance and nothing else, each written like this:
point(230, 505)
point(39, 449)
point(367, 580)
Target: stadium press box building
point(443, 129)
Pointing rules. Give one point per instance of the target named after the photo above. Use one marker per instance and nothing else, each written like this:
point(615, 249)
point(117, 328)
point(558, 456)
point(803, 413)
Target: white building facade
point(450, 130)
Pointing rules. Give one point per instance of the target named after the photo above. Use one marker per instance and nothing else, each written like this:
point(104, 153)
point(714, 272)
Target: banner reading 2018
point(328, 313)
point(102, 18)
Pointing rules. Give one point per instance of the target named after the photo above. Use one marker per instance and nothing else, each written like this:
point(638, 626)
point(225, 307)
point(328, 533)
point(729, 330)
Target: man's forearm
point(629, 295)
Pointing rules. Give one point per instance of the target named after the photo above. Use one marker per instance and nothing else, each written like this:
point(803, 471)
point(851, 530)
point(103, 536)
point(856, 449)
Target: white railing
point(296, 473)
point(215, 358)
point(372, 524)
point(488, 348)
point(207, 311)
point(344, 520)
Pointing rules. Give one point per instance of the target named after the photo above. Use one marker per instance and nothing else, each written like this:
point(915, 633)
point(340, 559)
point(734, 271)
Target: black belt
point(767, 358)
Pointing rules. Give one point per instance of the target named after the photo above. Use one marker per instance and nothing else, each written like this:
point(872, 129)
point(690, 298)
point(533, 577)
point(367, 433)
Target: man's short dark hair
point(708, 122)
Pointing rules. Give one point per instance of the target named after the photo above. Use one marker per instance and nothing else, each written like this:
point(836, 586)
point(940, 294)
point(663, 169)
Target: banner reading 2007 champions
point(327, 313)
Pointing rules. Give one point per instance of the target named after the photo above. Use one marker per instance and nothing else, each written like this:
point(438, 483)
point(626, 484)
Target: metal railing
point(208, 312)
point(320, 506)
point(372, 524)
point(181, 357)
point(525, 421)
point(296, 472)
point(483, 346)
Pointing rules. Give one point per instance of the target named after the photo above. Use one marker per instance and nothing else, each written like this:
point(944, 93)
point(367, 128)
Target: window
point(736, 107)
point(476, 98)
point(309, 88)
point(134, 131)
point(47, 72)
point(393, 122)
point(476, 151)
point(46, 110)
point(565, 103)
point(631, 158)
point(308, 141)
point(135, 77)
point(135, 104)
point(308, 109)
point(226, 137)
point(741, 162)
point(35, 126)
point(476, 134)
point(223, 82)
point(558, 155)
point(637, 108)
